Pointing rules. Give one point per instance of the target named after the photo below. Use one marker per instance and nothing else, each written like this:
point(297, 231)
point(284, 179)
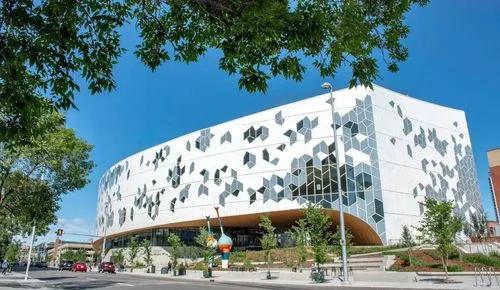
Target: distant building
point(61, 246)
point(493, 229)
point(40, 251)
point(494, 162)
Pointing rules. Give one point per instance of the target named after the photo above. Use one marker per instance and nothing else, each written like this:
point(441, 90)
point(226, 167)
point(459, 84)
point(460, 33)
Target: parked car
point(79, 267)
point(107, 267)
point(42, 265)
point(66, 265)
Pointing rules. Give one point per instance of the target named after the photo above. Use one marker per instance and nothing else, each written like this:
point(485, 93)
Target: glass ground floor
point(243, 238)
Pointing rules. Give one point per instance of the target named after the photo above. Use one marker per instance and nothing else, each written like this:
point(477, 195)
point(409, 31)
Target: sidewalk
point(16, 280)
point(288, 279)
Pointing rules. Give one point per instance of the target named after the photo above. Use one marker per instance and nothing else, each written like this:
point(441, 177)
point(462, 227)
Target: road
point(53, 279)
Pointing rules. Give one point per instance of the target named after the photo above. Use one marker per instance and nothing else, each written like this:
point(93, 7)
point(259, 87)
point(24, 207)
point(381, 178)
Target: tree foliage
point(407, 241)
point(268, 241)
point(68, 255)
point(206, 251)
point(133, 250)
point(34, 177)
point(337, 237)
point(319, 224)
point(440, 227)
point(13, 252)
point(262, 39)
point(147, 248)
point(80, 256)
point(175, 243)
point(46, 46)
point(75, 256)
point(477, 228)
point(118, 257)
point(96, 257)
point(299, 233)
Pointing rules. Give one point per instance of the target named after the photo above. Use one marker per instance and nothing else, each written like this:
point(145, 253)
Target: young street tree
point(268, 241)
point(336, 238)
point(206, 251)
point(146, 250)
point(318, 224)
point(298, 232)
point(407, 241)
point(46, 46)
point(440, 227)
point(118, 257)
point(133, 250)
point(175, 243)
point(477, 229)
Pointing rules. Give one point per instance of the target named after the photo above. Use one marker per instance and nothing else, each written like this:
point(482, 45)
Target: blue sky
point(453, 61)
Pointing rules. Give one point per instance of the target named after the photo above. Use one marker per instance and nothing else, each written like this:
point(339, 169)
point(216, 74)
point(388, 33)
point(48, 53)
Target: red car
point(107, 267)
point(79, 267)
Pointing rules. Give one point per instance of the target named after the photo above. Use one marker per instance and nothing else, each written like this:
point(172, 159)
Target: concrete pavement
point(365, 280)
point(53, 279)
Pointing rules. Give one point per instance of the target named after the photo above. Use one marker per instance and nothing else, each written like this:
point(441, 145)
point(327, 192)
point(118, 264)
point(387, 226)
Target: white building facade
point(394, 151)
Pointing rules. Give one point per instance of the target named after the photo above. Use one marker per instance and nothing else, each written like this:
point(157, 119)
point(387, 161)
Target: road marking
point(125, 284)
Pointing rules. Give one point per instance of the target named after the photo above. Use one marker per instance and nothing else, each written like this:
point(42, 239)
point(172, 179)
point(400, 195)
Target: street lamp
point(328, 86)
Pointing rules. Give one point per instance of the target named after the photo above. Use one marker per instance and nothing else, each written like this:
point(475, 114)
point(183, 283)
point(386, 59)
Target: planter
point(175, 272)
point(318, 277)
point(207, 273)
point(268, 276)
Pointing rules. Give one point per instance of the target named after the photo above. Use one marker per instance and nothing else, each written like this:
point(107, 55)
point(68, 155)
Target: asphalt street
point(53, 279)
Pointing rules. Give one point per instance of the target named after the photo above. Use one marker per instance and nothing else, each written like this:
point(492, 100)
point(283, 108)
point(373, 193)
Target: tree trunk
point(409, 257)
point(445, 266)
point(269, 262)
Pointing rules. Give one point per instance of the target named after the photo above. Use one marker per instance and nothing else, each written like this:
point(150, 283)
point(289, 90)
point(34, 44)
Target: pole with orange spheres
point(225, 243)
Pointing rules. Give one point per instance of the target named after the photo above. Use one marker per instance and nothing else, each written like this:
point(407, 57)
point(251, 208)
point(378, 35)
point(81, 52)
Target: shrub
point(451, 268)
point(403, 256)
point(237, 257)
point(139, 265)
point(455, 268)
point(248, 265)
point(454, 254)
point(200, 266)
point(481, 259)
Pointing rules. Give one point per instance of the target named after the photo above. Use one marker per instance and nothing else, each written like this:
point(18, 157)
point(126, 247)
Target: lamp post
point(328, 86)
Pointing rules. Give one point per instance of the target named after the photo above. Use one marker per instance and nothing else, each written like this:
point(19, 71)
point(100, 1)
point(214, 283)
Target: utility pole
point(339, 184)
point(29, 253)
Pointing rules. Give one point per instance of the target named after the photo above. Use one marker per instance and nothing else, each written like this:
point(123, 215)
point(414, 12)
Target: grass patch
point(481, 259)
